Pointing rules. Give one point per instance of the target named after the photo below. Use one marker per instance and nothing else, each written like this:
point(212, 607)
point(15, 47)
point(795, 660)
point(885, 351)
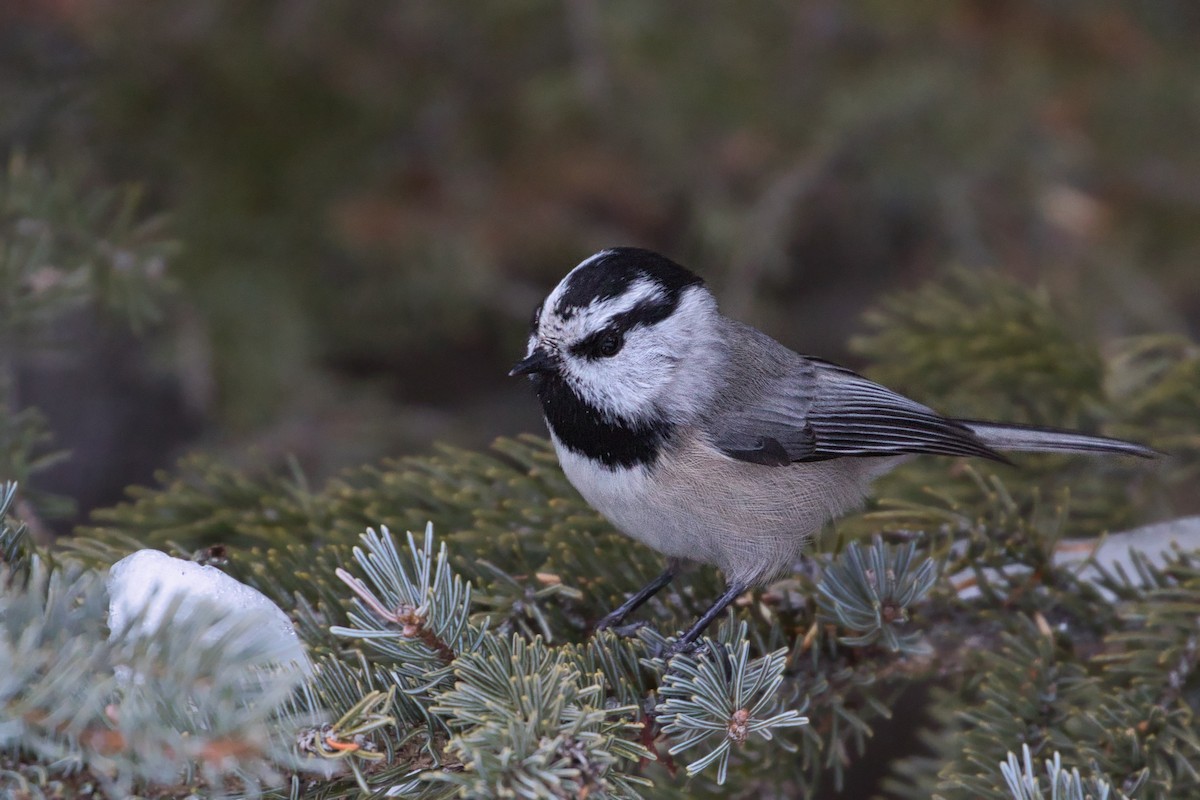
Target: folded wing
point(815, 411)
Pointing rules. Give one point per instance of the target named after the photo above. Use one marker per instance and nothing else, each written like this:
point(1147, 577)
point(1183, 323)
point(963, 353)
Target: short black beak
point(537, 361)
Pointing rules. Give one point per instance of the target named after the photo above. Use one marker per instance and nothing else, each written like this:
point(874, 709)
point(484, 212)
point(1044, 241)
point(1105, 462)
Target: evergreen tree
point(458, 662)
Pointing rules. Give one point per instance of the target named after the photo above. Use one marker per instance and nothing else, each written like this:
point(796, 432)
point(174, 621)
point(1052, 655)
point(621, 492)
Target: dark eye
point(533, 322)
point(610, 344)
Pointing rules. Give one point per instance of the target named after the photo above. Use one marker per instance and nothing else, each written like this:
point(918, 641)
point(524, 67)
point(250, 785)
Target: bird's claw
point(675, 648)
point(610, 622)
point(630, 629)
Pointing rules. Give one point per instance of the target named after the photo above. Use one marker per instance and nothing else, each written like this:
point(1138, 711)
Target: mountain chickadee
point(708, 440)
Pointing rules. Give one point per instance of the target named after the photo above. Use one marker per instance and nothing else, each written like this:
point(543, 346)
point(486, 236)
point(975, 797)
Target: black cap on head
point(610, 272)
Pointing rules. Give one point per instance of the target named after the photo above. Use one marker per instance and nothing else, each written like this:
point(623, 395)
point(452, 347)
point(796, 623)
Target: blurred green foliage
point(986, 346)
point(979, 345)
point(541, 564)
point(65, 245)
point(846, 642)
point(375, 195)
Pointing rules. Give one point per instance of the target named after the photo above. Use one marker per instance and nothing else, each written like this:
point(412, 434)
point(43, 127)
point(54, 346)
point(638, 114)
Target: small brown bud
point(739, 725)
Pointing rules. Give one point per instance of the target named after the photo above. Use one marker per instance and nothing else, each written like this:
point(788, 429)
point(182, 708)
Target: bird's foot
point(613, 623)
point(675, 648)
point(612, 620)
point(630, 629)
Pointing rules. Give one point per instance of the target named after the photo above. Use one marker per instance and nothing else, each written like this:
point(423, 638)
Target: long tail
point(1003, 436)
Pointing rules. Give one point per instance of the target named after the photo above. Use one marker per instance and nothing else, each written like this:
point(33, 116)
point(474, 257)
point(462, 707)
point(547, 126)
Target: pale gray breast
point(753, 520)
point(696, 503)
point(709, 497)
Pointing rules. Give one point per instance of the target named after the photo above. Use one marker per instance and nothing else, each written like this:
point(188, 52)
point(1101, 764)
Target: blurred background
point(346, 211)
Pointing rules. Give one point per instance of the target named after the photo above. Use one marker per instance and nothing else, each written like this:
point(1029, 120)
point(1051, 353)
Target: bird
point(709, 441)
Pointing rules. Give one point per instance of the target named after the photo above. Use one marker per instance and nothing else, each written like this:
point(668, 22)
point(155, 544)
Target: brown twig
point(409, 618)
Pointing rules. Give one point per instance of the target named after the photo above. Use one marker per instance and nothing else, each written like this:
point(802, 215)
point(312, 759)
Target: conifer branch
point(152, 710)
point(409, 619)
point(531, 725)
point(349, 738)
point(434, 667)
point(14, 536)
point(1024, 782)
point(414, 610)
point(870, 592)
point(719, 697)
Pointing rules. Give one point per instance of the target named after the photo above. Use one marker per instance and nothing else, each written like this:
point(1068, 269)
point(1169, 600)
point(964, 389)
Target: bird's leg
point(686, 642)
point(618, 615)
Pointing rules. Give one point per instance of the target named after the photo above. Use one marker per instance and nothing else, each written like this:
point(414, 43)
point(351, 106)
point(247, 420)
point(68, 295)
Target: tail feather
point(1004, 436)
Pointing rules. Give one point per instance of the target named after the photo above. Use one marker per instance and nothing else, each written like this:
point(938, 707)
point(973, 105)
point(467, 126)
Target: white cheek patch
point(664, 368)
point(645, 378)
point(627, 384)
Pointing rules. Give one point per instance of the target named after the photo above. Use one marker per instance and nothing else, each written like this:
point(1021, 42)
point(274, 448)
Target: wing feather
point(812, 410)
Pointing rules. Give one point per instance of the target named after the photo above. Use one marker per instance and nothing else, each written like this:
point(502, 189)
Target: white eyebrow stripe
point(643, 290)
point(597, 313)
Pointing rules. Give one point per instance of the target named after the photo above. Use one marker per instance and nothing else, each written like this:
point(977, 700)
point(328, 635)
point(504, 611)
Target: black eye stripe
point(591, 346)
point(645, 313)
